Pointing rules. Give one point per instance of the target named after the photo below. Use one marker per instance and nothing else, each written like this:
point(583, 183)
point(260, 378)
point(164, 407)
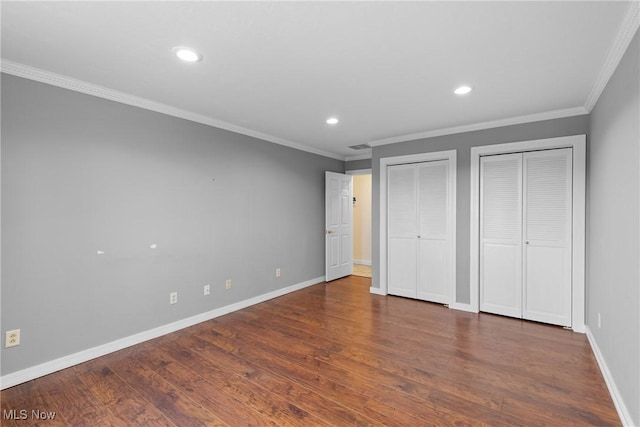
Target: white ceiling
point(278, 70)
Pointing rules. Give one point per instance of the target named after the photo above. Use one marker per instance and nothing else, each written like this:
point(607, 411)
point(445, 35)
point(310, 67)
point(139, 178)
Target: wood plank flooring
point(333, 355)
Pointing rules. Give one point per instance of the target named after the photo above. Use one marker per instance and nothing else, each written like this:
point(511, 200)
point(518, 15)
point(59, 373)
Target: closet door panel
point(402, 267)
point(547, 236)
point(501, 234)
point(402, 230)
point(402, 205)
point(432, 271)
point(501, 287)
point(433, 246)
point(547, 280)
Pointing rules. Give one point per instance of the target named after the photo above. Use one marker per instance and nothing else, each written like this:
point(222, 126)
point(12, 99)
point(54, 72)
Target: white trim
point(618, 402)
point(451, 156)
point(377, 291)
point(462, 307)
point(36, 74)
point(362, 262)
point(46, 368)
point(358, 157)
point(579, 227)
point(627, 30)
point(578, 143)
point(548, 115)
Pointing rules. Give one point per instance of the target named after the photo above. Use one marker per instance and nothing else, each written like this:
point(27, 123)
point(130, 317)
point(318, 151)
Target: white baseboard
point(46, 368)
point(362, 262)
point(463, 307)
point(623, 412)
point(377, 291)
point(581, 328)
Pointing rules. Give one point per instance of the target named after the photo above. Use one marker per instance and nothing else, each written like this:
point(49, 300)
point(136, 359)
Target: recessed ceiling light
point(187, 54)
point(332, 120)
point(462, 90)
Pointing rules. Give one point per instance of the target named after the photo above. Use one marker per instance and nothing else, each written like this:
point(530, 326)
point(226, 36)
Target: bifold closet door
point(402, 218)
point(433, 246)
point(525, 235)
point(547, 236)
point(501, 234)
point(418, 245)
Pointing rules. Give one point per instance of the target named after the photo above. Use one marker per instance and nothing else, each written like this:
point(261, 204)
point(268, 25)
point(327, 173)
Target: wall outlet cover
point(12, 338)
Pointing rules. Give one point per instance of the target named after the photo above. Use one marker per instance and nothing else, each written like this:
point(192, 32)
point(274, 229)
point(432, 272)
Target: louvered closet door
point(433, 214)
point(547, 236)
point(526, 236)
point(402, 230)
point(501, 234)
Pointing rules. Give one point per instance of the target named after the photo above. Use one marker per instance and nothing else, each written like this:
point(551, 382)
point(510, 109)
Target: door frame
point(451, 156)
point(578, 144)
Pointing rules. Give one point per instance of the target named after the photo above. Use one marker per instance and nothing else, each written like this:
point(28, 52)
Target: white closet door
point(547, 236)
point(501, 234)
point(433, 245)
point(402, 230)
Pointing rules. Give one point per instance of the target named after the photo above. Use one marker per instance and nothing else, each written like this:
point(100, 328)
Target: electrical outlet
point(278, 272)
point(207, 289)
point(227, 284)
point(173, 298)
point(599, 321)
point(12, 338)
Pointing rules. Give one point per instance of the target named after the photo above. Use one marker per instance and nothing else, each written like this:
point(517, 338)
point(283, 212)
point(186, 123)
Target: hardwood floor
point(333, 355)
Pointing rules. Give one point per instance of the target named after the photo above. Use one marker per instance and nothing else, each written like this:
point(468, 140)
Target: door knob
point(526, 242)
point(329, 231)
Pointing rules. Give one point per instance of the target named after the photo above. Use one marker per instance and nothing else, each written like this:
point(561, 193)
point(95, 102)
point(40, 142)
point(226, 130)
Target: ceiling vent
point(360, 147)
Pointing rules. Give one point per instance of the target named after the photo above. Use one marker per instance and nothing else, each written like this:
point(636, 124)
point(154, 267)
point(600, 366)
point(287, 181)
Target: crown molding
point(36, 74)
point(548, 115)
point(628, 28)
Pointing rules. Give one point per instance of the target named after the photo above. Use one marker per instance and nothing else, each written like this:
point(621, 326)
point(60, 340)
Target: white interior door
point(501, 234)
point(547, 236)
point(402, 218)
point(433, 226)
point(338, 225)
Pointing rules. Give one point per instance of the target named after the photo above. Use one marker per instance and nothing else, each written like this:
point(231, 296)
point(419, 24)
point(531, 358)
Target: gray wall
point(613, 286)
point(463, 142)
point(82, 174)
point(354, 165)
